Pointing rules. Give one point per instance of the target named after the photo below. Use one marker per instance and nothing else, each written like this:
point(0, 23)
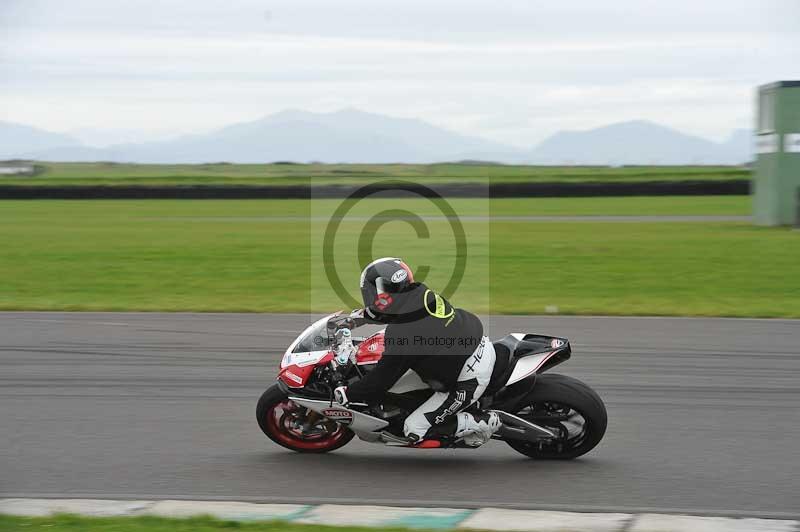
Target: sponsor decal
point(555, 343)
point(341, 416)
point(399, 276)
point(478, 356)
point(295, 378)
point(441, 310)
point(460, 398)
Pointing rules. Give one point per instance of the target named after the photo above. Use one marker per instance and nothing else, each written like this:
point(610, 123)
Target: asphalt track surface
point(703, 418)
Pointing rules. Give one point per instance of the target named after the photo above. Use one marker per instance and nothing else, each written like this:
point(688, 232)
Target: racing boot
point(477, 429)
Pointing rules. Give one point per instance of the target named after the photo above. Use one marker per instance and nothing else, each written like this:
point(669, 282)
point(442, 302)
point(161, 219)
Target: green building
point(776, 184)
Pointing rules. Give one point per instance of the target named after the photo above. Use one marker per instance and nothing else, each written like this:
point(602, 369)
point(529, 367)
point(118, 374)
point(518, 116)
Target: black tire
point(274, 396)
point(570, 392)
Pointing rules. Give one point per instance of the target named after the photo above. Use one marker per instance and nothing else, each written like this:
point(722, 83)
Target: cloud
point(515, 71)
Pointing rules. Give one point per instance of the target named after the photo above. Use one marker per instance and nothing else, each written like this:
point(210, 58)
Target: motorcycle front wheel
point(297, 428)
point(569, 408)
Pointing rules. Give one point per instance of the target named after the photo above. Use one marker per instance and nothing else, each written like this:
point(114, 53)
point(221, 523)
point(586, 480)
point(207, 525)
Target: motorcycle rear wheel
point(281, 419)
point(570, 408)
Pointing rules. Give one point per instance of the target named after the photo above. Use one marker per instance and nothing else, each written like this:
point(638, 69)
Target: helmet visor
point(386, 286)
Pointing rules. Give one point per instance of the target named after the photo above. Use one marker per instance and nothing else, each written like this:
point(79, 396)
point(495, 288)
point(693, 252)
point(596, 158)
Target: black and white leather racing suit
point(440, 343)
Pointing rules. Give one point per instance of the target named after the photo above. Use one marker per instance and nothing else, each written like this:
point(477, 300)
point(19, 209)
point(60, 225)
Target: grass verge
point(74, 523)
point(262, 256)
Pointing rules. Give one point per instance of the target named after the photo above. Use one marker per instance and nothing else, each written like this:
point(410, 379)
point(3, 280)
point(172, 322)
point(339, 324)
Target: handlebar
point(339, 329)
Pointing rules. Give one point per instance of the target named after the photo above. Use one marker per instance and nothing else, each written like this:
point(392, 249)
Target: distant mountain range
point(640, 142)
point(354, 136)
point(17, 140)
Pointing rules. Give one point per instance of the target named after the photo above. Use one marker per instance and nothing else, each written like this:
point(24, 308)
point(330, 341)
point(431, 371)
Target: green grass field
point(285, 174)
point(262, 255)
point(74, 523)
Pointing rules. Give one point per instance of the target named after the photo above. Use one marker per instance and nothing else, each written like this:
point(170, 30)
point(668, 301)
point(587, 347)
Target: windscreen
point(314, 339)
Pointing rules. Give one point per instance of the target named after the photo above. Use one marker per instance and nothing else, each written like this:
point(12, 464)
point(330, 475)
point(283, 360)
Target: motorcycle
point(543, 416)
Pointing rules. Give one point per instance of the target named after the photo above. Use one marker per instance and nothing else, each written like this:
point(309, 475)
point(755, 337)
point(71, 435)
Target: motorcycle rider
point(442, 344)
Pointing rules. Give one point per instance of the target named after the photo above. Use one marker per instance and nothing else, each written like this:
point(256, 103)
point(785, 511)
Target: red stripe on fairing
point(300, 374)
point(546, 358)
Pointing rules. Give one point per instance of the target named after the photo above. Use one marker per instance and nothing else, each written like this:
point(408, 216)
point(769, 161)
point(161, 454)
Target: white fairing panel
point(366, 427)
point(302, 359)
point(409, 382)
point(527, 366)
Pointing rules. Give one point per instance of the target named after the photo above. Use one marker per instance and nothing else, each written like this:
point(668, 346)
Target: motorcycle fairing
point(527, 366)
point(530, 354)
point(310, 358)
point(365, 426)
point(296, 368)
point(370, 349)
point(301, 358)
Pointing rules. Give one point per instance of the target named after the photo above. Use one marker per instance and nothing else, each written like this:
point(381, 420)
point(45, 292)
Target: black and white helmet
point(380, 280)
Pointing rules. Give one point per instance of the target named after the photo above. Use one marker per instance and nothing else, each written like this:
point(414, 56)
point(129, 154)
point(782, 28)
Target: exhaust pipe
point(516, 428)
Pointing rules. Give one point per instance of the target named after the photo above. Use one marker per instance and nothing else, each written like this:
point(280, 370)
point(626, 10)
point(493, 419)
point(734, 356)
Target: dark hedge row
point(496, 190)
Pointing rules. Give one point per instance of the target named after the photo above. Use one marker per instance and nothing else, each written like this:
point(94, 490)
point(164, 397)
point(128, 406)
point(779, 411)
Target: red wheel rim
point(277, 420)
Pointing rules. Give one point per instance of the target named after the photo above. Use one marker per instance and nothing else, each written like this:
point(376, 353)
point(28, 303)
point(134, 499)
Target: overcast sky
point(512, 71)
